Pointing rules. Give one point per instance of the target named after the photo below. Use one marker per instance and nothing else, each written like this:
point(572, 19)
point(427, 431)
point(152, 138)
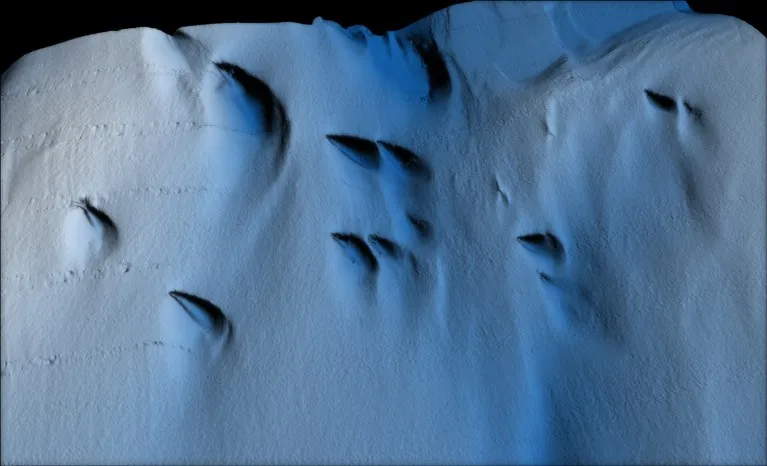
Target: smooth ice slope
point(491, 237)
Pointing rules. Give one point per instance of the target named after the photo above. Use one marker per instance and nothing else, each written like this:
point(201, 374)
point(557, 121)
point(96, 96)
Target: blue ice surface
point(582, 27)
point(682, 7)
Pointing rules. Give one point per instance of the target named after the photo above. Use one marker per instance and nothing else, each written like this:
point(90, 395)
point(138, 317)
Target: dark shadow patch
point(437, 72)
point(385, 246)
point(203, 312)
point(357, 250)
point(545, 244)
point(93, 214)
point(410, 163)
point(423, 227)
point(693, 111)
point(274, 114)
point(363, 152)
point(660, 101)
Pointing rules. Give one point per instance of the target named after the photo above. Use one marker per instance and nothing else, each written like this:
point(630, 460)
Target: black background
point(29, 26)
